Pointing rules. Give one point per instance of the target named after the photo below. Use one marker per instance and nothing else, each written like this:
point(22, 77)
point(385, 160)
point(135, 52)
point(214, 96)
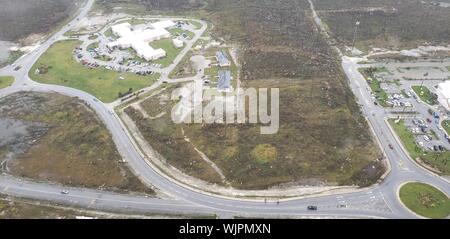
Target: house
point(222, 59)
point(224, 84)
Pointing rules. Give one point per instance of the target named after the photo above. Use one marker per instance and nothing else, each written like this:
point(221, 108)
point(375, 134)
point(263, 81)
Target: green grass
point(375, 84)
point(425, 94)
point(92, 46)
point(178, 32)
point(380, 94)
point(197, 25)
point(109, 33)
point(425, 200)
point(6, 81)
point(171, 51)
point(102, 83)
point(438, 160)
point(446, 126)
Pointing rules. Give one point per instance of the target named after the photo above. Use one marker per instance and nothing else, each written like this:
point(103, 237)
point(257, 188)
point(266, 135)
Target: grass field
point(102, 83)
point(438, 160)
point(76, 149)
point(171, 51)
point(425, 94)
point(253, 161)
point(425, 200)
point(6, 81)
point(196, 24)
point(178, 32)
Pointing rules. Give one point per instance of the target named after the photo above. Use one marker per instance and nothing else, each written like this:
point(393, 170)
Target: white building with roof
point(443, 92)
point(178, 43)
point(139, 39)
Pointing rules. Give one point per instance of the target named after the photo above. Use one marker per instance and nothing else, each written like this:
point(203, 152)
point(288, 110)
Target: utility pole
point(355, 34)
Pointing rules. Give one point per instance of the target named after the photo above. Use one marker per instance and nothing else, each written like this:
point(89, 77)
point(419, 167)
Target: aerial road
point(378, 201)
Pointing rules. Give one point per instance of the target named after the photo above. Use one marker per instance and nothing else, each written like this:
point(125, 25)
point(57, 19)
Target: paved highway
point(379, 201)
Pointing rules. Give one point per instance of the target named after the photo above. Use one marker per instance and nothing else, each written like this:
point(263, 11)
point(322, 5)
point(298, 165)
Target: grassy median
point(425, 94)
point(425, 200)
point(58, 66)
point(6, 81)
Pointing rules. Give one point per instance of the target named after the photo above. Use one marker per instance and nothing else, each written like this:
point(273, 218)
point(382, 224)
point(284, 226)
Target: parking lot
point(392, 89)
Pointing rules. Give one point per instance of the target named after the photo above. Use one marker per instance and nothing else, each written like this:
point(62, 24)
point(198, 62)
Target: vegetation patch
point(171, 51)
point(76, 149)
point(264, 153)
point(184, 68)
point(401, 24)
point(179, 32)
point(425, 200)
point(375, 85)
point(303, 149)
point(425, 94)
point(6, 81)
point(62, 69)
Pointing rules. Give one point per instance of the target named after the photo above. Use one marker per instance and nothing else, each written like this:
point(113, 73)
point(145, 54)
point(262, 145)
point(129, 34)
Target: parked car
point(312, 208)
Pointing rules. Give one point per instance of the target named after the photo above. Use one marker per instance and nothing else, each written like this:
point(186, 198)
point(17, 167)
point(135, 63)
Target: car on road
point(312, 208)
point(64, 192)
point(390, 146)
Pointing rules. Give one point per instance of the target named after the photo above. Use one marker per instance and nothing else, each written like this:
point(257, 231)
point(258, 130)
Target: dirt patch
point(71, 146)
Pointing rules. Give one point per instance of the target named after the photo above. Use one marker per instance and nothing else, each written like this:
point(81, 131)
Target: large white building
point(443, 92)
point(139, 39)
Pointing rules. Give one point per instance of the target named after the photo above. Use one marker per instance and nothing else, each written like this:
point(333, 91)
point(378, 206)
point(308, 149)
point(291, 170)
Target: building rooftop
point(224, 80)
point(222, 59)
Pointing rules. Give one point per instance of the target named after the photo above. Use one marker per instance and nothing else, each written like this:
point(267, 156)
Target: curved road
point(379, 201)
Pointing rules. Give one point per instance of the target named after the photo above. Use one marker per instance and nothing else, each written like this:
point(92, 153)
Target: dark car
point(312, 208)
point(390, 146)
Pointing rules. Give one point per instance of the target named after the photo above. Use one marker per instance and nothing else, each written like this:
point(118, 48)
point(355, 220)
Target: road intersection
point(378, 201)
